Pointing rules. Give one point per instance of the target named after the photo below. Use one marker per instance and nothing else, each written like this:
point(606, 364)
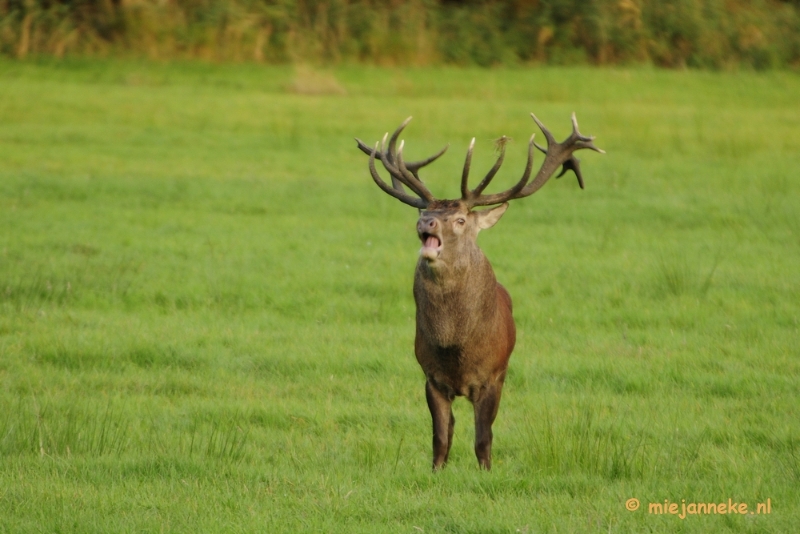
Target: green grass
point(206, 321)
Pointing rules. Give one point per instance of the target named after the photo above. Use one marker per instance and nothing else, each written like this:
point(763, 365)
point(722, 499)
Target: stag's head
point(448, 228)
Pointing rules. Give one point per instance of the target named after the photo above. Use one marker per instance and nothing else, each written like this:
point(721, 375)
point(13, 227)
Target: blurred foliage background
point(715, 34)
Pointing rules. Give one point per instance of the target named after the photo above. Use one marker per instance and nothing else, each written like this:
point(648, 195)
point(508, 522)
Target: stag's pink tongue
point(431, 242)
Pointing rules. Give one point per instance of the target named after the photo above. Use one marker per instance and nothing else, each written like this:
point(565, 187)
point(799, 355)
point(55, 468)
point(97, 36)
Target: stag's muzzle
point(428, 229)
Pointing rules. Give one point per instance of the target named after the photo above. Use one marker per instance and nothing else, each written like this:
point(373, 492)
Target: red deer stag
point(465, 331)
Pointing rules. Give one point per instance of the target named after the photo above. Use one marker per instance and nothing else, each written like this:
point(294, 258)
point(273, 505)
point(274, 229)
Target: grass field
point(206, 320)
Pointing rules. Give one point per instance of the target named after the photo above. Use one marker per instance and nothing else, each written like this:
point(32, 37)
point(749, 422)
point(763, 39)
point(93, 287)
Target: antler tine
point(412, 166)
point(410, 179)
point(499, 198)
point(574, 119)
point(582, 141)
point(403, 197)
point(388, 156)
point(490, 175)
point(559, 154)
point(397, 180)
point(572, 164)
point(393, 140)
point(402, 173)
point(390, 162)
point(547, 135)
point(465, 192)
point(362, 146)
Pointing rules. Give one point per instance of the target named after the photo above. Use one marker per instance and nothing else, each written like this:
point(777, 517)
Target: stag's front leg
point(485, 406)
point(443, 423)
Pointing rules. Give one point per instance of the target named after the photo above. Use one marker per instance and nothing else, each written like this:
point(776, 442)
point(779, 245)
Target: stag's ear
point(488, 218)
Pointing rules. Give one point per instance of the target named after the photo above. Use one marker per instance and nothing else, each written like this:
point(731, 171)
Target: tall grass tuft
point(55, 430)
point(677, 277)
point(578, 441)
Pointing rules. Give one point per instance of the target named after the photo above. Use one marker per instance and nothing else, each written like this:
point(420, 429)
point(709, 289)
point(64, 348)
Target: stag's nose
point(427, 225)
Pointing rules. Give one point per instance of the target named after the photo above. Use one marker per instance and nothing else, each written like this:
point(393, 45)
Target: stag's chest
point(461, 334)
point(445, 315)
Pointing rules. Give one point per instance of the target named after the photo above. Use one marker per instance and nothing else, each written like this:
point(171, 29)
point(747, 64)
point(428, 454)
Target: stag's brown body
point(465, 330)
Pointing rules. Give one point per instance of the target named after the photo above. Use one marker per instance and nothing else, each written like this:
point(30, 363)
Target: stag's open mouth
point(431, 246)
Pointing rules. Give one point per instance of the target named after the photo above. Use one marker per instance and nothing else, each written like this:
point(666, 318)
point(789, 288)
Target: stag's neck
point(469, 267)
point(455, 301)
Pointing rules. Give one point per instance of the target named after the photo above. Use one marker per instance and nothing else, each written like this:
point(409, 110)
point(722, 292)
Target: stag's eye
point(460, 221)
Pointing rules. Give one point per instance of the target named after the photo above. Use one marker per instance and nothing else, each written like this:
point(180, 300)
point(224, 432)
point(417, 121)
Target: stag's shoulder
point(503, 297)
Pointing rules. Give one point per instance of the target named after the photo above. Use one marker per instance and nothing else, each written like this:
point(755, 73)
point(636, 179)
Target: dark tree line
point(670, 33)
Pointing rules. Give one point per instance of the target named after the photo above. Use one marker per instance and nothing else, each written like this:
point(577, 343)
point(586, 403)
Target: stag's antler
point(555, 154)
point(402, 173)
point(474, 197)
point(407, 173)
point(559, 154)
